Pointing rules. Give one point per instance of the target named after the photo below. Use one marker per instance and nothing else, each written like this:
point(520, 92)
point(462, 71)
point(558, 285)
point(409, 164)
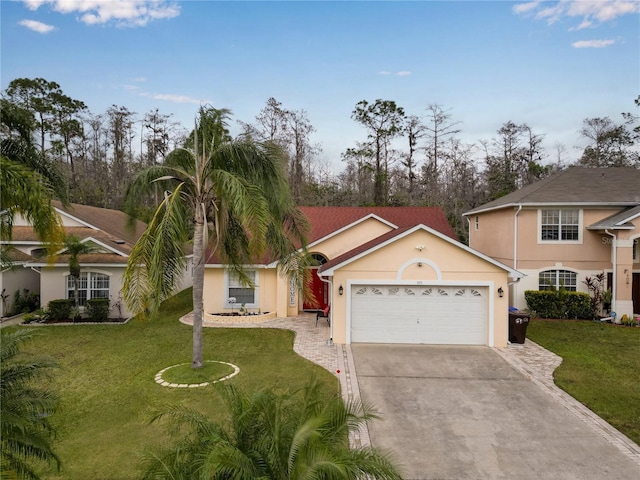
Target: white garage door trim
point(488, 285)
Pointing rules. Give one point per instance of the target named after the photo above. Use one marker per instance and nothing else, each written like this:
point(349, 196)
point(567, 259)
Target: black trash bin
point(518, 323)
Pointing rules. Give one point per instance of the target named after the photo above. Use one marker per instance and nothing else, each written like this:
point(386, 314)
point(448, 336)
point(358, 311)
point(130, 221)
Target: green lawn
point(600, 367)
point(109, 393)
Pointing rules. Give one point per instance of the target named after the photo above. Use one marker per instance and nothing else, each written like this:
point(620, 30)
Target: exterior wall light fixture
point(500, 292)
point(340, 290)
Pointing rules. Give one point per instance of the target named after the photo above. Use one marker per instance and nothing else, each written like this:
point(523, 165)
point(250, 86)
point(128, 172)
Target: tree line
point(404, 159)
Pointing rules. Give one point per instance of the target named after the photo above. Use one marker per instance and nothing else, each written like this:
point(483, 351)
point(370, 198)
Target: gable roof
point(326, 222)
point(113, 222)
point(617, 186)
point(329, 268)
point(618, 221)
point(105, 227)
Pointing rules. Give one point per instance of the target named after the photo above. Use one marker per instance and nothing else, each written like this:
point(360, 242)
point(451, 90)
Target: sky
point(548, 64)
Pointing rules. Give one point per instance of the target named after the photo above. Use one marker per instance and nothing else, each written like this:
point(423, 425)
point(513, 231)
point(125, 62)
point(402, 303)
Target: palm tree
point(25, 408)
point(271, 436)
point(25, 192)
point(232, 196)
point(74, 248)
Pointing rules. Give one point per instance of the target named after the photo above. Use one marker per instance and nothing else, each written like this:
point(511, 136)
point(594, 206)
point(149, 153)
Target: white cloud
point(169, 97)
point(403, 73)
point(589, 13)
point(592, 43)
point(130, 13)
point(525, 7)
point(37, 26)
point(140, 79)
point(384, 72)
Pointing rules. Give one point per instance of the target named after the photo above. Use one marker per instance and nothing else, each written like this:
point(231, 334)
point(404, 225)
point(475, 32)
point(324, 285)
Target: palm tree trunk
point(198, 290)
point(76, 296)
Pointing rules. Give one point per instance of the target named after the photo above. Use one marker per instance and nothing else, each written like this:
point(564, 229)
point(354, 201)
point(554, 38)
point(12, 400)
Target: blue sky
point(547, 64)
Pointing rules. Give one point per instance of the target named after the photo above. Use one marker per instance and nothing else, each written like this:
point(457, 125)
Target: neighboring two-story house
point(564, 228)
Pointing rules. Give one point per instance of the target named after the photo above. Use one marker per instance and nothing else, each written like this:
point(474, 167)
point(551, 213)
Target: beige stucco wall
point(53, 282)
point(267, 281)
point(350, 238)
point(441, 262)
point(17, 279)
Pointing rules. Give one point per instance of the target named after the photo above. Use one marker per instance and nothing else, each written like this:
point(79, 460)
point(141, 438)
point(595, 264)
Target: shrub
point(25, 302)
point(98, 309)
point(60, 309)
point(559, 304)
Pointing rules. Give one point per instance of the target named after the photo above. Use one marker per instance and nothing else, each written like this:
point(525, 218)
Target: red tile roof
point(325, 221)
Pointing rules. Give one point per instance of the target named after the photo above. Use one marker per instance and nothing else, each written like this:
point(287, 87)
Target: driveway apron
point(453, 413)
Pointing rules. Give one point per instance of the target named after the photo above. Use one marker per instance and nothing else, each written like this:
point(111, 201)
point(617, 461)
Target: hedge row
point(559, 304)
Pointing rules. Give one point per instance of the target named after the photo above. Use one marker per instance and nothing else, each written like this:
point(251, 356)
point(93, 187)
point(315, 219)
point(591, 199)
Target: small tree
point(272, 435)
point(595, 285)
point(74, 247)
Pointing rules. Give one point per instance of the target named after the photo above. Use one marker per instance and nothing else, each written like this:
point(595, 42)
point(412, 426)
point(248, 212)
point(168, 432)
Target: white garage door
point(419, 314)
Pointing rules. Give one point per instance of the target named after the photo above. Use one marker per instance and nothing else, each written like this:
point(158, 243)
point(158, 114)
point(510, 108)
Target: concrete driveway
point(465, 413)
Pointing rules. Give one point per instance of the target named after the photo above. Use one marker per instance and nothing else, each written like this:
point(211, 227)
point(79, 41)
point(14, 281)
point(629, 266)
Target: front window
point(243, 293)
point(560, 224)
point(90, 285)
point(555, 279)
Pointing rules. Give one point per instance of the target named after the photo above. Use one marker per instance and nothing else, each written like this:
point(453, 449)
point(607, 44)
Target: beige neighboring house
point(389, 275)
point(577, 223)
point(102, 270)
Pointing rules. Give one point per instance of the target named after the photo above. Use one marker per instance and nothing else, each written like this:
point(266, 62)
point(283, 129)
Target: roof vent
point(120, 242)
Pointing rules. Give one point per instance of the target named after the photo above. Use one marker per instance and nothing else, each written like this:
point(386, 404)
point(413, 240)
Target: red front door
point(320, 292)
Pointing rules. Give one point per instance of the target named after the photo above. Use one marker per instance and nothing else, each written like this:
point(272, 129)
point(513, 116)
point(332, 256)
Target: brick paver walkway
point(530, 359)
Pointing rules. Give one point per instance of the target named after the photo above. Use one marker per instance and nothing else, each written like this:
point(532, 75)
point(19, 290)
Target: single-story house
point(389, 275)
point(112, 239)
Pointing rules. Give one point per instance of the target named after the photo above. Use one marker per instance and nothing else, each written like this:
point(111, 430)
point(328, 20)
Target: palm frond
point(27, 193)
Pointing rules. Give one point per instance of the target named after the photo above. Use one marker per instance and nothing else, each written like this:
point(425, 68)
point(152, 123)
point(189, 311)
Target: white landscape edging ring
point(164, 383)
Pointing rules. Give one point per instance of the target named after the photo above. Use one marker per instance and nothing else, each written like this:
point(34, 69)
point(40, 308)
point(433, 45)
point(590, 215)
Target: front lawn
point(600, 367)
point(109, 394)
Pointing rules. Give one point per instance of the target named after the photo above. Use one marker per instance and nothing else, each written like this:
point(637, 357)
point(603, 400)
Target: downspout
point(614, 260)
point(330, 283)
point(515, 252)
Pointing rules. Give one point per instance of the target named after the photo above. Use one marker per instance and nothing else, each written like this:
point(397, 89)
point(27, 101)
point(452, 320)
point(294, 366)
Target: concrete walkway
point(530, 359)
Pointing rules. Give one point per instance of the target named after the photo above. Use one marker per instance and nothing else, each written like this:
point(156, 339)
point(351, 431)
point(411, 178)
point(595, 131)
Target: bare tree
point(439, 128)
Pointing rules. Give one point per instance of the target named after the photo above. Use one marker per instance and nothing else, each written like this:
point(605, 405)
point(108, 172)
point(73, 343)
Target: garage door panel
point(419, 314)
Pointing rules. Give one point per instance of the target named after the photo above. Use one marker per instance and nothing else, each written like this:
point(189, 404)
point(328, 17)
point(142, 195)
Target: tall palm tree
point(271, 436)
point(74, 248)
point(24, 408)
point(232, 196)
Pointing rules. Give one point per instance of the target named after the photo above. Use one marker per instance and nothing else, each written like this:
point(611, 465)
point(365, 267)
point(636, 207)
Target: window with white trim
point(242, 292)
point(560, 224)
point(554, 279)
point(477, 222)
point(636, 250)
point(90, 285)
